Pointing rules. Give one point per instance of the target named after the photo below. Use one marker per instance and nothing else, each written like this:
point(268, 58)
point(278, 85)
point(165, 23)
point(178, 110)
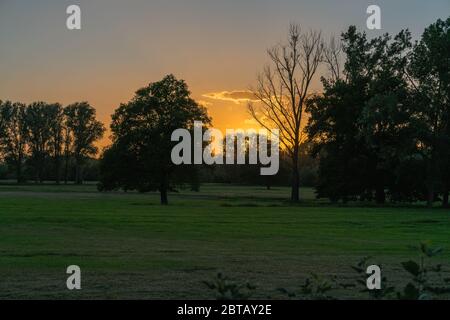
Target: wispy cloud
point(204, 103)
point(237, 96)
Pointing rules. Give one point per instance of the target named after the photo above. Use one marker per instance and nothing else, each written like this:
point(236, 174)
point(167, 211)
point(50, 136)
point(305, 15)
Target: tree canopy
point(140, 155)
point(382, 126)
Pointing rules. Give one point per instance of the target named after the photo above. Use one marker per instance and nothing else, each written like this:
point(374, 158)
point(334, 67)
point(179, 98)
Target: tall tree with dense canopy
point(67, 147)
point(13, 135)
point(140, 156)
point(39, 120)
point(84, 130)
point(56, 128)
point(361, 125)
point(429, 72)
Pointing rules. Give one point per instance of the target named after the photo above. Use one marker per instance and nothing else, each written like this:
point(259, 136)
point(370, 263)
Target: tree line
point(42, 141)
point(381, 127)
point(378, 131)
point(139, 157)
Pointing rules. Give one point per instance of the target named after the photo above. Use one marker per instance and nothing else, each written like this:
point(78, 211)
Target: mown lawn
point(128, 246)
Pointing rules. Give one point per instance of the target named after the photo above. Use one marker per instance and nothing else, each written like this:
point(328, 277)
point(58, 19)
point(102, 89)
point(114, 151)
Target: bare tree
point(332, 57)
point(283, 89)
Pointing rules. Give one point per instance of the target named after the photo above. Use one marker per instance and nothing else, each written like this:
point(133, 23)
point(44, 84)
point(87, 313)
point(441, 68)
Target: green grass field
point(128, 246)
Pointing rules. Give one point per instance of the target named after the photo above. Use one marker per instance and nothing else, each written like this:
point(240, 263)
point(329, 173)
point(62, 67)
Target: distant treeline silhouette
point(379, 131)
point(381, 127)
point(43, 141)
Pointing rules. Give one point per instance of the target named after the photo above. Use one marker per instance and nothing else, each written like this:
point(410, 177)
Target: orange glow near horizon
point(226, 113)
point(218, 47)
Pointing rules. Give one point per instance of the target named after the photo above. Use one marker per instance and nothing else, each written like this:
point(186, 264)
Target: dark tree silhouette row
point(381, 127)
point(380, 130)
point(46, 137)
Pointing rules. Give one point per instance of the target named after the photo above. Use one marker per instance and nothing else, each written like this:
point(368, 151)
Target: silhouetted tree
point(429, 72)
point(67, 147)
point(83, 131)
point(283, 90)
point(362, 124)
point(56, 128)
point(39, 120)
point(13, 135)
point(140, 156)
point(248, 173)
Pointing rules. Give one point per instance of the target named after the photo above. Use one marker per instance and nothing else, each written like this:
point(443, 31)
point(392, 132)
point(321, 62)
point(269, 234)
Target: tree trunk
point(268, 183)
point(164, 200)
point(295, 177)
point(430, 197)
point(19, 171)
point(66, 168)
point(163, 190)
point(430, 181)
point(380, 195)
point(445, 198)
point(57, 170)
point(78, 172)
point(41, 171)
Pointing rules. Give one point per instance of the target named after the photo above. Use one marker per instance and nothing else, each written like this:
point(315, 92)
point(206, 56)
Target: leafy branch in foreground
point(426, 282)
point(386, 291)
point(422, 282)
point(226, 289)
point(314, 288)
point(421, 285)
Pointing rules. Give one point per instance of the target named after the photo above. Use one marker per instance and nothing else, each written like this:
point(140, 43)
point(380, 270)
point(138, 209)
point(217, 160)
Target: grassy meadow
point(128, 246)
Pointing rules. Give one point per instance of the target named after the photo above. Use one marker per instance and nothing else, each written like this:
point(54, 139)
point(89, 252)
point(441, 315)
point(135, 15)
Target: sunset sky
point(217, 46)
